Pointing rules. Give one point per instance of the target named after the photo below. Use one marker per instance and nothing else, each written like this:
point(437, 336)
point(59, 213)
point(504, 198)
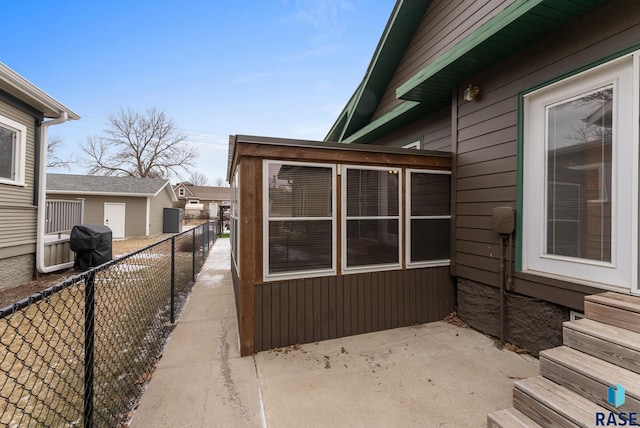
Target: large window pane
point(430, 194)
point(372, 221)
point(300, 245)
point(372, 242)
point(372, 192)
point(7, 153)
point(430, 239)
point(579, 135)
point(299, 191)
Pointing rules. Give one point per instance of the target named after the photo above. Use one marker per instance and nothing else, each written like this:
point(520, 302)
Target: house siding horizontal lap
point(18, 214)
point(314, 309)
point(487, 131)
point(447, 23)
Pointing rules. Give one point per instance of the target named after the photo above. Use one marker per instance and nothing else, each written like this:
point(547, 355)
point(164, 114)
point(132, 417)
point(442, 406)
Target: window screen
point(372, 198)
point(429, 201)
point(300, 217)
point(7, 153)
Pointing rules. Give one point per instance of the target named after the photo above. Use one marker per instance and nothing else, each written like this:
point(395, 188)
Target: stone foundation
point(530, 323)
point(16, 271)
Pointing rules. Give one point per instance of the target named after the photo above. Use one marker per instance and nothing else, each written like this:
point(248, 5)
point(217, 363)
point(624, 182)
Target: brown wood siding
point(314, 309)
point(18, 215)
point(446, 23)
point(434, 132)
point(487, 132)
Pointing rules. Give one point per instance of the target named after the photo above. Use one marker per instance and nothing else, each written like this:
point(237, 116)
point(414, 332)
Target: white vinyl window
point(371, 228)
point(13, 146)
point(413, 145)
point(300, 216)
point(428, 218)
point(580, 177)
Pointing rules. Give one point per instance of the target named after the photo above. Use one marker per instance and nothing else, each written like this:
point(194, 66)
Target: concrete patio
point(432, 375)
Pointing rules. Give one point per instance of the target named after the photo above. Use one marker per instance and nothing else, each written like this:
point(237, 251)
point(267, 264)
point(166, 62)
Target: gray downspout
point(41, 184)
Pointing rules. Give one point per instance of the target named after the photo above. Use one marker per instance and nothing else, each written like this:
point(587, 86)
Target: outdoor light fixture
point(471, 93)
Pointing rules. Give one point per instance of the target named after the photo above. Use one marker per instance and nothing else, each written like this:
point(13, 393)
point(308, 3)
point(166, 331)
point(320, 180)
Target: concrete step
point(621, 310)
point(552, 405)
point(510, 418)
point(590, 377)
point(616, 345)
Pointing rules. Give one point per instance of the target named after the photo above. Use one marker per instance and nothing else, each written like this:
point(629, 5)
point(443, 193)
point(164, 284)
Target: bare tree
point(139, 145)
point(198, 179)
point(221, 182)
point(53, 158)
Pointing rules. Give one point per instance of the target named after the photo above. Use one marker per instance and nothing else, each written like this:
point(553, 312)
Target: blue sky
point(281, 68)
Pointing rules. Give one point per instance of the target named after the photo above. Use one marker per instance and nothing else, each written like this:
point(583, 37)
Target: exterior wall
point(447, 23)
point(434, 132)
point(486, 145)
point(334, 306)
point(314, 309)
point(16, 270)
point(135, 211)
point(486, 177)
point(156, 215)
point(18, 214)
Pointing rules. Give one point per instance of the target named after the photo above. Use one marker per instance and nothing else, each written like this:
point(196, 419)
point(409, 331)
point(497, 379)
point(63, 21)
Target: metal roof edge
point(354, 102)
point(30, 93)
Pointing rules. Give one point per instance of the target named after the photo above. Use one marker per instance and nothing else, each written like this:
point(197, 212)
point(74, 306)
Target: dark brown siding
point(447, 23)
point(434, 132)
point(314, 309)
point(487, 132)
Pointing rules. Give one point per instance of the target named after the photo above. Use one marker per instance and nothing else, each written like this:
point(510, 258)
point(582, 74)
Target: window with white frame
point(428, 218)
point(299, 219)
point(580, 177)
point(13, 142)
point(371, 237)
point(413, 145)
point(181, 191)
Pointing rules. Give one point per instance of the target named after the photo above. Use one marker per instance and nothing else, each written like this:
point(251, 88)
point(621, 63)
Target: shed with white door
point(130, 206)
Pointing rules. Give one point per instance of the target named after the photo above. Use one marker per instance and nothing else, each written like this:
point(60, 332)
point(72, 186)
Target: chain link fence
point(79, 353)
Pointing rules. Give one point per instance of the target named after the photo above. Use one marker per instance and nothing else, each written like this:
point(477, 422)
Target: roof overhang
point(403, 23)
point(519, 25)
point(19, 87)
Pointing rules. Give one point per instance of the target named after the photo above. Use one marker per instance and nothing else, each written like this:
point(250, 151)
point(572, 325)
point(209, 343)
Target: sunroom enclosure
point(330, 240)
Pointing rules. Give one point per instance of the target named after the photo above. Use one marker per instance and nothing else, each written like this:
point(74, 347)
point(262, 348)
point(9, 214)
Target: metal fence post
point(89, 317)
point(173, 280)
point(203, 238)
point(193, 254)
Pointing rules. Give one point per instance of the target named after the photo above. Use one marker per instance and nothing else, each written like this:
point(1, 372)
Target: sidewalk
point(433, 375)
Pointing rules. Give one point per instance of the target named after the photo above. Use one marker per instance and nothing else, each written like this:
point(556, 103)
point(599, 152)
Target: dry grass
point(42, 352)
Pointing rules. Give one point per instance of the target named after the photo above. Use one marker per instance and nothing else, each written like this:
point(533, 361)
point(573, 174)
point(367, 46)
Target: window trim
point(344, 218)
point(20, 155)
point(234, 213)
point(408, 217)
point(265, 224)
point(622, 272)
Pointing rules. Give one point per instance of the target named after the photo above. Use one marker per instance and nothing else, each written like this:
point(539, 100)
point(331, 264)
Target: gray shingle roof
point(85, 184)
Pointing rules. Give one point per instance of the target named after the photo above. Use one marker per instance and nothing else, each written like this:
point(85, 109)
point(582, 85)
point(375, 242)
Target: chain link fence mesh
point(79, 353)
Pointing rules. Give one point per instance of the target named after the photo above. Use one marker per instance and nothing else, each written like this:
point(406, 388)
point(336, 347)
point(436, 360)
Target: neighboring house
point(130, 206)
point(202, 202)
point(24, 109)
point(538, 102)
